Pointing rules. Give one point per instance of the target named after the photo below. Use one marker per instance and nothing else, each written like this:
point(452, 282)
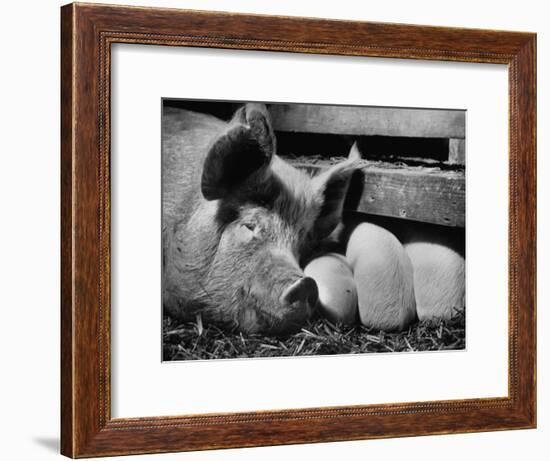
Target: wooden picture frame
point(87, 33)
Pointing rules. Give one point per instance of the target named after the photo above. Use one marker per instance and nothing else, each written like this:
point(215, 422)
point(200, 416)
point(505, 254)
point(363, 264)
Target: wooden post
point(457, 151)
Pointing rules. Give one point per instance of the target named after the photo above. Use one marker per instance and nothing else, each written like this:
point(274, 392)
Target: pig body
point(384, 278)
point(237, 220)
point(337, 290)
point(438, 279)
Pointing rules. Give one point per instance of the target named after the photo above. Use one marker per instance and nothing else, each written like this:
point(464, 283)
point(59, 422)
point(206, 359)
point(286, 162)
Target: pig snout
point(286, 305)
point(296, 305)
point(303, 292)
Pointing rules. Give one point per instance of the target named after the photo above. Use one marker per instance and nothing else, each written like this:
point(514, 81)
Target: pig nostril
point(303, 290)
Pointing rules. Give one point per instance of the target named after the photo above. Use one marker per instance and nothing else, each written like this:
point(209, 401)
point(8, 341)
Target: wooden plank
point(420, 194)
point(437, 198)
point(457, 151)
point(368, 121)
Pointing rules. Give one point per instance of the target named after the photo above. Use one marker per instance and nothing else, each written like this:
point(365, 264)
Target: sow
point(239, 221)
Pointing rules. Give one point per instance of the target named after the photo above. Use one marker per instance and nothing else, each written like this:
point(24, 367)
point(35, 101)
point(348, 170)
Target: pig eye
point(250, 226)
point(247, 232)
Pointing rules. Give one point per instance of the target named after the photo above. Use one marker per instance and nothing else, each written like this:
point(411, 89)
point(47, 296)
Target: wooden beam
point(420, 194)
point(368, 121)
point(437, 198)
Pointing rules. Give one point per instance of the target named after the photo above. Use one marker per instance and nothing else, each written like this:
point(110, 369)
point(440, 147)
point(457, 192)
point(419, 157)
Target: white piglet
point(337, 292)
point(383, 276)
point(438, 280)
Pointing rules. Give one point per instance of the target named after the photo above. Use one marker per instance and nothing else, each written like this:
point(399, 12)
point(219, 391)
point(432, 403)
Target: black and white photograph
point(305, 229)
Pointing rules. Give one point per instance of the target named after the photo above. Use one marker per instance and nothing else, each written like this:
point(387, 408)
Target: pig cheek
point(255, 312)
point(248, 321)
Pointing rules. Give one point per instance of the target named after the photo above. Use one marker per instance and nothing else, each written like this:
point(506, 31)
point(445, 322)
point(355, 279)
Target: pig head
point(238, 221)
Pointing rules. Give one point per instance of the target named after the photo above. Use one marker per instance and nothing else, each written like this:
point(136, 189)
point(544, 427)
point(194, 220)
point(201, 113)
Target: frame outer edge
point(67, 101)
point(526, 60)
point(80, 250)
point(534, 205)
point(522, 274)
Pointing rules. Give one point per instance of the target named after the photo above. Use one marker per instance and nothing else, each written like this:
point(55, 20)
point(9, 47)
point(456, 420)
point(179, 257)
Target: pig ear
point(244, 148)
point(333, 185)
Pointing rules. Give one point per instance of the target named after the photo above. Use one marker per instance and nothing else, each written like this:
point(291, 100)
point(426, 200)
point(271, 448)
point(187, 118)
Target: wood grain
point(437, 197)
point(87, 33)
point(67, 149)
point(363, 121)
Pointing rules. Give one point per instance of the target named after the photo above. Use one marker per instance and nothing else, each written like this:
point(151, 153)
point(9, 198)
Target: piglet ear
point(244, 148)
point(332, 185)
